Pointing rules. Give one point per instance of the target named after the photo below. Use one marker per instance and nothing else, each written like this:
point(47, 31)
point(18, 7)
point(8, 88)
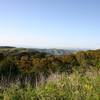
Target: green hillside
point(28, 74)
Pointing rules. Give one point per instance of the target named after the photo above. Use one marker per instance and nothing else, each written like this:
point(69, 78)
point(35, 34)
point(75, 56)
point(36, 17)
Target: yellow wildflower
point(88, 87)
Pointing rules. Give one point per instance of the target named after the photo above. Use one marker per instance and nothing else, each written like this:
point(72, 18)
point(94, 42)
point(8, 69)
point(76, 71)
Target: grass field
point(76, 86)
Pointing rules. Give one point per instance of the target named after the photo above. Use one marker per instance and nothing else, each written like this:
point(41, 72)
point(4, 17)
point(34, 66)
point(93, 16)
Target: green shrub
point(8, 67)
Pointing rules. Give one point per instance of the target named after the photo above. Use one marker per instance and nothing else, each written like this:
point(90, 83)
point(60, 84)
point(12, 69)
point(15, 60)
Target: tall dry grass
point(75, 86)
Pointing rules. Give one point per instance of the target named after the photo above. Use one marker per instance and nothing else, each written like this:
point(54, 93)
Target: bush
point(8, 67)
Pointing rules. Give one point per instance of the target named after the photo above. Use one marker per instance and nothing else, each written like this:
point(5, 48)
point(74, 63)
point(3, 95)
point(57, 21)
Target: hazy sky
point(50, 23)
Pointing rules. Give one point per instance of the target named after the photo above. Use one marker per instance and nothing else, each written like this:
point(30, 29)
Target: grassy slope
point(58, 87)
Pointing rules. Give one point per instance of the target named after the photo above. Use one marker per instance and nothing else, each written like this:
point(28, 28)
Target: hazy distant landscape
point(49, 49)
point(12, 50)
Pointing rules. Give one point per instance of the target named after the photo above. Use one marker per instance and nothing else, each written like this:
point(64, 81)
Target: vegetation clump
point(58, 87)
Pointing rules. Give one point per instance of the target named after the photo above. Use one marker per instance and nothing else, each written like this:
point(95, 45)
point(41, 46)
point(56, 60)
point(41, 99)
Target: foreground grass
point(58, 87)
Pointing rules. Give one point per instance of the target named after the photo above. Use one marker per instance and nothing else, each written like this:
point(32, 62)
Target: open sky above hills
point(50, 23)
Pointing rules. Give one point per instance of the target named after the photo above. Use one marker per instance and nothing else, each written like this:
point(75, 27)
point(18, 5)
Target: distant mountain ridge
point(7, 47)
point(55, 51)
point(14, 50)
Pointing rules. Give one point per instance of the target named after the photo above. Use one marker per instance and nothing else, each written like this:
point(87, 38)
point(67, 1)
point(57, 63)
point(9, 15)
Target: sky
point(50, 23)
